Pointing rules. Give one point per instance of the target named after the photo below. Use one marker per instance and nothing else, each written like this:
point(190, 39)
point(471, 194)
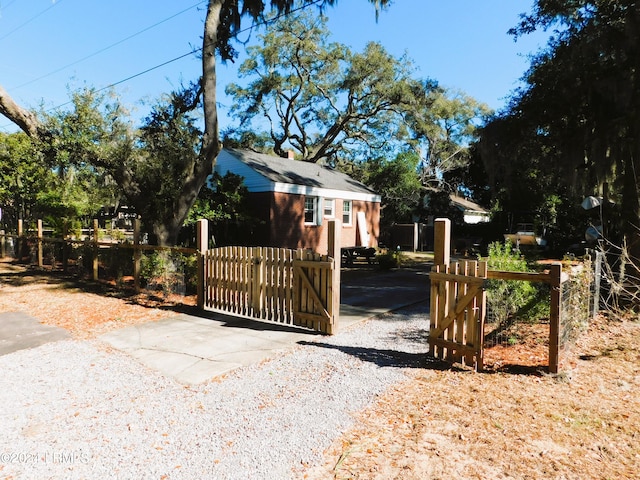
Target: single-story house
point(471, 211)
point(295, 199)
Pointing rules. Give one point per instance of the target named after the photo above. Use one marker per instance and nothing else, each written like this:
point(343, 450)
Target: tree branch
point(23, 118)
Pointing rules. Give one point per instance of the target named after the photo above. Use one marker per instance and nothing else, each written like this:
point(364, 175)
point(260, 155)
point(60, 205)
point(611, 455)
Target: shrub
point(509, 298)
point(169, 271)
point(390, 259)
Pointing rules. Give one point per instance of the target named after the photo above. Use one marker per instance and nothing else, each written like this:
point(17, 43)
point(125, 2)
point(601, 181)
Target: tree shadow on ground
point(15, 274)
point(385, 357)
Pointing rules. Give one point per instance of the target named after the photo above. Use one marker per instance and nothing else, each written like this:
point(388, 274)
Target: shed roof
point(286, 171)
point(468, 205)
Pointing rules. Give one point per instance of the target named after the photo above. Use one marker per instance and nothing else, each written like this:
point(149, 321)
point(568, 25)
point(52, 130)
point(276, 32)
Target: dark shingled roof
point(284, 170)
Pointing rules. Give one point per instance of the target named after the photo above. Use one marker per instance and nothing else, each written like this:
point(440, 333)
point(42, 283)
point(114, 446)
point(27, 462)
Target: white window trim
point(350, 222)
point(314, 221)
point(332, 202)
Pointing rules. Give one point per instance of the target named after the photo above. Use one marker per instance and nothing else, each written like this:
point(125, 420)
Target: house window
point(346, 212)
point(310, 204)
point(329, 207)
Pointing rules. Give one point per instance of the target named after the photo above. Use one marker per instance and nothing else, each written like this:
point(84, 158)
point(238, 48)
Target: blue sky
point(49, 46)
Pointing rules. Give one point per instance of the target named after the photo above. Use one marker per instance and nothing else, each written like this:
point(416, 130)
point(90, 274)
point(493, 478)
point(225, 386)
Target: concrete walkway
point(20, 331)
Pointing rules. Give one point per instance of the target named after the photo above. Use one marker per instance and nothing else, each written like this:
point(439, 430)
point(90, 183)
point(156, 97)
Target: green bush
point(507, 299)
point(169, 271)
point(390, 259)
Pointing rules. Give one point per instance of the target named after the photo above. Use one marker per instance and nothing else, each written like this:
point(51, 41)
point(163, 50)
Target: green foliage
point(395, 180)
point(23, 178)
point(507, 298)
point(390, 259)
point(224, 202)
point(575, 123)
point(33, 184)
point(438, 203)
point(118, 263)
point(170, 272)
point(442, 124)
point(317, 96)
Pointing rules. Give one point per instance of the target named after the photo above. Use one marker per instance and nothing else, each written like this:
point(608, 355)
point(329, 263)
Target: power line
point(199, 49)
point(30, 20)
point(4, 7)
point(193, 51)
point(140, 32)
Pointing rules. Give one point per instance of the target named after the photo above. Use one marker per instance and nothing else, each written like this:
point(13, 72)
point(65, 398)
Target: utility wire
point(193, 51)
point(30, 20)
point(199, 49)
point(4, 7)
point(140, 32)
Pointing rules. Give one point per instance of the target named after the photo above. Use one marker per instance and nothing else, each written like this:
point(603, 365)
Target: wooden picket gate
point(458, 303)
point(458, 308)
point(293, 287)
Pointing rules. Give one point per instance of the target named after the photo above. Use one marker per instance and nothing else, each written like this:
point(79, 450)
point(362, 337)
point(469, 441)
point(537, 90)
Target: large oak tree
point(222, 22)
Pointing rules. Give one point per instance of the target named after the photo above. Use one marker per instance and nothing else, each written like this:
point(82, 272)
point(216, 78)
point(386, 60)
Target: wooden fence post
point(137, 254)
point(555, 317)
point(202, 246)
point(256, 299)
point(95, 249)
point(334, 232)
point(20, 241)
point(39, 244)
point(65, 246)
point(442, 242)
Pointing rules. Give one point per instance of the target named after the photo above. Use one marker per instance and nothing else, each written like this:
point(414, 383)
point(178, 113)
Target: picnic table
point(350, 254)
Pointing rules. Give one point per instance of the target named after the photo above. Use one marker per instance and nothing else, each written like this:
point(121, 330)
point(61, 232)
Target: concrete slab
point(194, 349)
point(19, 331)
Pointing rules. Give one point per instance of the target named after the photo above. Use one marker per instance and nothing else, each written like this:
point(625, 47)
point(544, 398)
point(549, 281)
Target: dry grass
point(86, 310)
point(581, 424)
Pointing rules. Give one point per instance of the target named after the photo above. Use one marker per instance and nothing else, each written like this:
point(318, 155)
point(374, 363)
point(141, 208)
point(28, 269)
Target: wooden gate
point(458, 306)
point(293, 287)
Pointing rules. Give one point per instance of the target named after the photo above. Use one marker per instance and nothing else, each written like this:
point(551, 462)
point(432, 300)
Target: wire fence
point(517, 324)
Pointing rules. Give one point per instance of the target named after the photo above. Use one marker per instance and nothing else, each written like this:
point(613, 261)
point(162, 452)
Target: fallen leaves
point(456, 424)
point(85, 313)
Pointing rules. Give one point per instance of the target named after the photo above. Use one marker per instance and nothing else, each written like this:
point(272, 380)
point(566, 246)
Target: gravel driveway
point(77, 409)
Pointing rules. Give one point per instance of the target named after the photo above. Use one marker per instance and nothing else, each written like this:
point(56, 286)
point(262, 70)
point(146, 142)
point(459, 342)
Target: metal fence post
point(596, 284)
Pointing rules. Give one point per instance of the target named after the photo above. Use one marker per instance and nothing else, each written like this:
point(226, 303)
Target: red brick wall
point(283, 216)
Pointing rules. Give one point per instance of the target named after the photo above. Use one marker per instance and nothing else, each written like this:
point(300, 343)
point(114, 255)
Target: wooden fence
point(92, 241)
point(294, 287)
point(458, 303)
